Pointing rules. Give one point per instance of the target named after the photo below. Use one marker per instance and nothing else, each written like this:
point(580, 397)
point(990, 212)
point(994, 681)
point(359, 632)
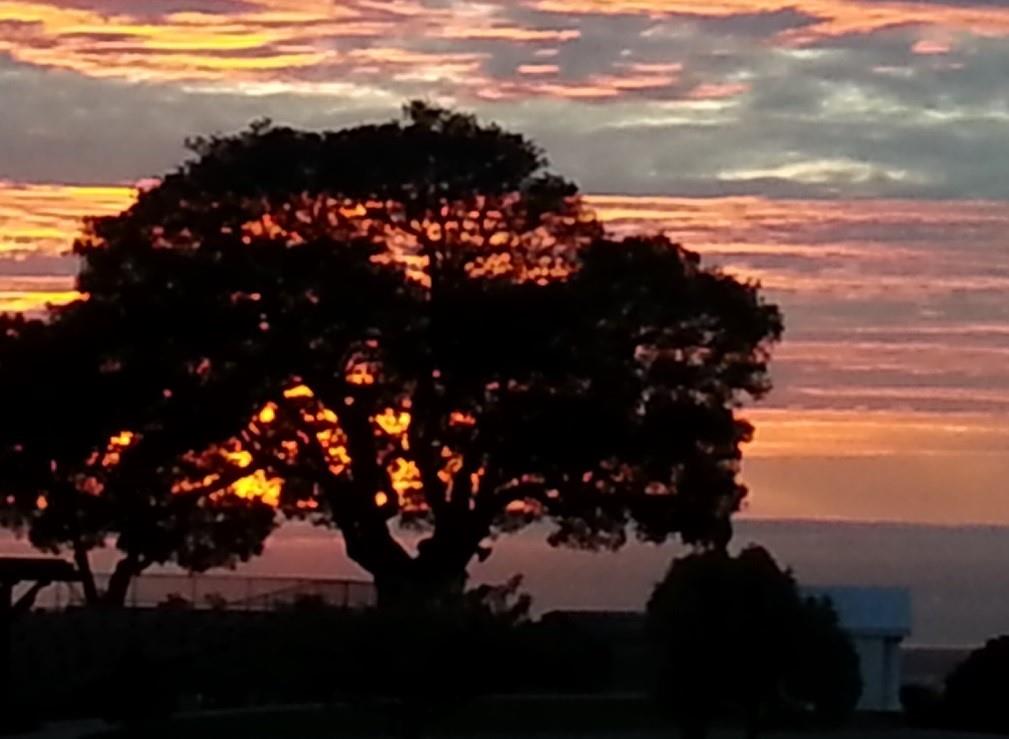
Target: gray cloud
point(863, 117)
point(62, 127)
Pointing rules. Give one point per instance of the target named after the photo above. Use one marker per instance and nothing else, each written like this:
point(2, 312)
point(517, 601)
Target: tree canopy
point(414, 323)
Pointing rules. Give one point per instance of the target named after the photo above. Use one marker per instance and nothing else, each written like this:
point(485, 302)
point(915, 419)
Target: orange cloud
point(783, 432)
point(300, 46)
point(536, 69)
point(189, 46)
point(718, 90)
point(273, 41)
point(25, 301)
point(944, 468)
point(595, 87)
point(44, 219)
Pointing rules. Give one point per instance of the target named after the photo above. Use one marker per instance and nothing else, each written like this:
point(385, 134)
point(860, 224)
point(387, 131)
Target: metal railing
point(224, 592)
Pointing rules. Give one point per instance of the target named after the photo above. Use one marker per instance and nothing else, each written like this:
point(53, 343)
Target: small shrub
point(175, 602)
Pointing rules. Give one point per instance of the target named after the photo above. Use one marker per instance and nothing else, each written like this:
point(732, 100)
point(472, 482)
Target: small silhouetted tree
point(735, 637)
point(79, 469)
point(975, 689)
point(418, 323)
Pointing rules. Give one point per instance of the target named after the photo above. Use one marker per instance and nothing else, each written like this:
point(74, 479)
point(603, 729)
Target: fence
point(225, 592)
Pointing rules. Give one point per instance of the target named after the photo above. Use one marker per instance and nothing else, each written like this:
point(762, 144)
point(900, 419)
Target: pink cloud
point(931, 47)
point(718, 90)
point(538, 69)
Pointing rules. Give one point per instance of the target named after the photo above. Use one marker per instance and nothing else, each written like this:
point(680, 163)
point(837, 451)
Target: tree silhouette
point(78, 470)
point(735, 636)
point(975, 690)
point(417, 322)
point(826, 673)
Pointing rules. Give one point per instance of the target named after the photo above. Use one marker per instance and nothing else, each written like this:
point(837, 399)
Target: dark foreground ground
point(541, 718)
point(496, 718)
point(303, 729)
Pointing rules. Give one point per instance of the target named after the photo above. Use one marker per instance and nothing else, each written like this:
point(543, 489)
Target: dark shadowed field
point(493, 719)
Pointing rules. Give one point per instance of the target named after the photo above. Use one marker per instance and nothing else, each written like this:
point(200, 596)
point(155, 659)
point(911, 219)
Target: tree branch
point(426, 413)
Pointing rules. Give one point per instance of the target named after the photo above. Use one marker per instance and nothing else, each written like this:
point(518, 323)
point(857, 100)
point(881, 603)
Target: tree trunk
point(417, 586)
point(91, 595)
point(119, 582)
point(437, 575)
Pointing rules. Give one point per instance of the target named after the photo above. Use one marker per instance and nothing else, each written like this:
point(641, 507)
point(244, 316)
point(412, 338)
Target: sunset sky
point(849, 154)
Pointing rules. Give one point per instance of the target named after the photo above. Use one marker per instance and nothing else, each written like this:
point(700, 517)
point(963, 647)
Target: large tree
point(416, 322)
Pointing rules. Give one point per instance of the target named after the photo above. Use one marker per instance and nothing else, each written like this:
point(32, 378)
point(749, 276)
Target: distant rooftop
point(865, 611)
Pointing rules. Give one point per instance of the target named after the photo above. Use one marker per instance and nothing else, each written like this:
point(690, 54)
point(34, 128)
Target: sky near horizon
point(849, 154)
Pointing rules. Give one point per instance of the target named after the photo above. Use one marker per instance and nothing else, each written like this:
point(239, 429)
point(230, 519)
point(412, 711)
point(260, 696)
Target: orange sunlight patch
point(256, 486)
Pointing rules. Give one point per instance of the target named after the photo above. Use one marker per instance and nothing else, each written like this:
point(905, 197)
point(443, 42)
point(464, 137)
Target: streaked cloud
point(38, 224)
point(843, 433)
point(41, 220)
point(820, 172)
point(820, 19)
point(816, 98)
point(258, 44)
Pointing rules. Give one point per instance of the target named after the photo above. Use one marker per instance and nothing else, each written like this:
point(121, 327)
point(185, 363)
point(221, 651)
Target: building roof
point(865, 611)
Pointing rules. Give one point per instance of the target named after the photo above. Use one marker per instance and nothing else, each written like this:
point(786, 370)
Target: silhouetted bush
point(416, 664)
point(558, 657)
point(975, 696)
point(735, 639)
point(176, 602)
